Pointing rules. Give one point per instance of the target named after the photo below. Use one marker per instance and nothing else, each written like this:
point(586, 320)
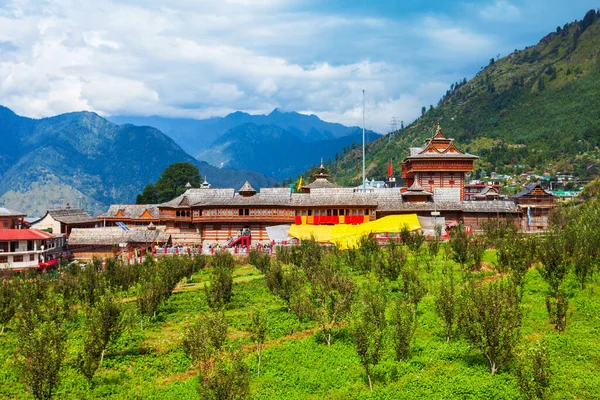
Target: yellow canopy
point(345, 236)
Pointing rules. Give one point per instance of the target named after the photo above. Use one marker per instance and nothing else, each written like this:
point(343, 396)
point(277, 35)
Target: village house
point(22, 248)
point(64, 220)
point(10, 219)
point(536, 203)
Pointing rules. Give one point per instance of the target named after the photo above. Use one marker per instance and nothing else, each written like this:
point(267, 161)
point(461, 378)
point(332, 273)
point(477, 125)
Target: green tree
point(459, 242)
point(103, 324)
point(394, 263)
point(220, 286)
point(148, 196)
point(331, 294)
point(228, 379)
point(490, 319)
point(170, 184)
point(445, 302)
point(40, 341)
point(403, 327)
point(258, 329)
point(369, 325)
point(533, 371)
point(204, 338)
point(7, 301)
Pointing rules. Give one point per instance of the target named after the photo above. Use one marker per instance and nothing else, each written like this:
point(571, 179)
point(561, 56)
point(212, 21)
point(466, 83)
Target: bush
point(218, 291)
point(533, 371)
point(490, 319)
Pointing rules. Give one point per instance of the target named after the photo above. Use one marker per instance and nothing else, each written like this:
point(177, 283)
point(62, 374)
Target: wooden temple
point(438, 165)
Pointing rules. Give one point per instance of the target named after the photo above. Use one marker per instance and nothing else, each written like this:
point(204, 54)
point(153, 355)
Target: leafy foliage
point(490, 319)
point(219, 290)
point(369, 327)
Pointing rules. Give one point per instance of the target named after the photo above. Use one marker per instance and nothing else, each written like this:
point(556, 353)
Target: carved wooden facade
point(438, 165)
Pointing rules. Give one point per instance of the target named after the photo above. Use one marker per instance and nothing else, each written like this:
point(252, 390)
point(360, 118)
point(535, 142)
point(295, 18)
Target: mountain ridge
point(272, 150)
point(196, 135)
point(532, 110)
point(92, 159)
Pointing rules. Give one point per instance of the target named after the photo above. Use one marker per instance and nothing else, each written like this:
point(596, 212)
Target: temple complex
point(434, 180)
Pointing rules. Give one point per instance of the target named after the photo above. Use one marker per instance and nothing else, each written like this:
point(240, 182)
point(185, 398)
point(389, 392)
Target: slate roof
point(416, 190)
point(71, 216)
point(114, 236)
point(133, 211)
point(7, 212)
point(247, 188)
point(335, 197)
point(320, 183)
point(489, 191)
point(529, 188)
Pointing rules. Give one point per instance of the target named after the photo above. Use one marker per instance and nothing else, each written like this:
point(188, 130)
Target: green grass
point(297, 364)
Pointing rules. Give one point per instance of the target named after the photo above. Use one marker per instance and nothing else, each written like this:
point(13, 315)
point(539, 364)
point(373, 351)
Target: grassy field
point(149, 363)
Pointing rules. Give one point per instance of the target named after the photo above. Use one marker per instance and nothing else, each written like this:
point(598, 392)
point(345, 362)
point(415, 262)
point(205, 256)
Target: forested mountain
point(275, 151)
point(88, 161)
point(535, 109)
point(194, 136)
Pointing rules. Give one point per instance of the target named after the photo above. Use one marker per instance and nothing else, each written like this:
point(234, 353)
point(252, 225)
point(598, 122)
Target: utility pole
point(363, 171)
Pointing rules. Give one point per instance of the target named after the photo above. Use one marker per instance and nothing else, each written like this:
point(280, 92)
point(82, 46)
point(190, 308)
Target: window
point(3, 259)
point(268, 212)
point(177, 214)
point(236, 212)
point(310, 213)
point(264, 211)
point(5, 223)
point(431, 182)
point(342, 212)
point(218, 211)
point(31, 257)
point(353, 212)
point(252, 211)
point(230, 212)
point(18, 259)
point(329, 212)
point(241, 211)
point(195, 213)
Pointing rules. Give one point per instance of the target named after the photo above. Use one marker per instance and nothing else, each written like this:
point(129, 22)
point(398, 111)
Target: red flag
point(390, 169)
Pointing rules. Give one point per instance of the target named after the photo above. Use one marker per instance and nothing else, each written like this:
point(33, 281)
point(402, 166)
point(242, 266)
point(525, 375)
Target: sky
point(200, 58)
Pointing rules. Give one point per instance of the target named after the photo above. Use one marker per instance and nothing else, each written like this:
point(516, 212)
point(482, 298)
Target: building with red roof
point(29, 248)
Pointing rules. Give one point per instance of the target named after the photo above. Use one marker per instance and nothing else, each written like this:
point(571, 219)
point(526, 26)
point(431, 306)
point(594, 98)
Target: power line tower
point(393, 127)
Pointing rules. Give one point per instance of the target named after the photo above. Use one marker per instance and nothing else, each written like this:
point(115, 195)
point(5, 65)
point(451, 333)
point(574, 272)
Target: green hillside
point(533, 110)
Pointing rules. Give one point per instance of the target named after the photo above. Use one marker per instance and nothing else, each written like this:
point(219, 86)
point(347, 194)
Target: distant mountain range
point(88, 161)
point(536, 109)
point(274, 151)
point(280, 144)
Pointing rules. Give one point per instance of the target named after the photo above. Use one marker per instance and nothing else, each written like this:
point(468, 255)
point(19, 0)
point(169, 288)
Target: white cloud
point(448, 40)
point(500, 10)
point(201, 58)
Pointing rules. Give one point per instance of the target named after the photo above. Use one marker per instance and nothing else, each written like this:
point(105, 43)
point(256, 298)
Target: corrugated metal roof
point(24, 234)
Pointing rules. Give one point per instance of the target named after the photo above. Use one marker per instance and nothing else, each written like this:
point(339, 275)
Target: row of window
point(16, 259)
point(335, 212)
point(229, 212)
point(269, 212)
